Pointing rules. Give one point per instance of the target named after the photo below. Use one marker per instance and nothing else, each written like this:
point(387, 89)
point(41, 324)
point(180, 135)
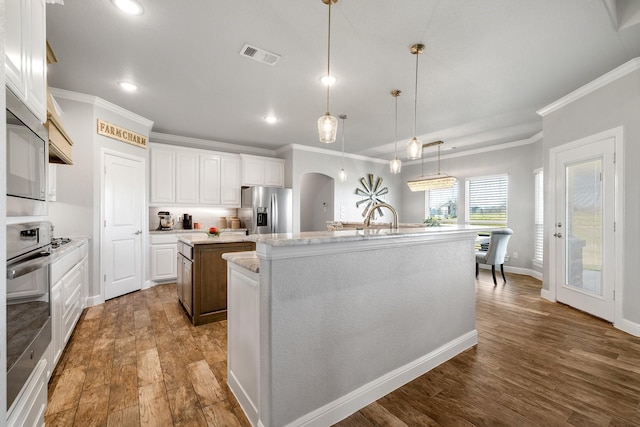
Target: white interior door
point(584, 227)
point(123, 222)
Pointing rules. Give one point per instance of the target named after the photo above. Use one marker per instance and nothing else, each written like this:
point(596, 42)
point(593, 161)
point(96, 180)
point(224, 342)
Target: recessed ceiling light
point(328, 80)
point(128, 86)
point(132, 7)
point(270, 119)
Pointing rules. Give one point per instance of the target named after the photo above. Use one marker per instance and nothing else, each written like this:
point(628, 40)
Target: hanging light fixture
point(396, 164)
point(414, 146)
point(342, 175)
point(327, 124)
point(434, 181)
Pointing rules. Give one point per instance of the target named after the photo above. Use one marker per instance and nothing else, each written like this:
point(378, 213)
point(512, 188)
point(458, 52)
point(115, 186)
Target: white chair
point(496, 252)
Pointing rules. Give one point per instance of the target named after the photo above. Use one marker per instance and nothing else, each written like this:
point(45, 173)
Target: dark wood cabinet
point(202, 281)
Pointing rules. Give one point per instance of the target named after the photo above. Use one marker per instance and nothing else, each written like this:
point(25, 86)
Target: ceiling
point(488, 66)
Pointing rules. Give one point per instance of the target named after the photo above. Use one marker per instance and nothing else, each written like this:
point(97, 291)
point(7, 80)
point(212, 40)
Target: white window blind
point(539, 216)
point(486, 199)
point(442, 204)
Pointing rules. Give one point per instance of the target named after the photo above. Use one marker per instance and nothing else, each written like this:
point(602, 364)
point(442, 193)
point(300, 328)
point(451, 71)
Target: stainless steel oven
point(27, 154)
point(28, 301)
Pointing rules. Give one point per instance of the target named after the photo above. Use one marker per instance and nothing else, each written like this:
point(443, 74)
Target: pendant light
point(431, 182)
point(414, 146)
point(327, 124)
point(342, 175)
point(396, 164)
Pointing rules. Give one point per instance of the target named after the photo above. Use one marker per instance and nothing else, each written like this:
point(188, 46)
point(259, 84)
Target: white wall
point(316, 201)
point(77, 209)
point(517, 162)
point(616, 104)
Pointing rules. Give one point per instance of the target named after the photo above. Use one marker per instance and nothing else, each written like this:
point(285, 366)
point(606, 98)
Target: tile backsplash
point(207, 217)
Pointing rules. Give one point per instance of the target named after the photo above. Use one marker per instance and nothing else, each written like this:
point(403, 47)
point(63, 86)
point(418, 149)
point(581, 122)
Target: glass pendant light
point(327, 124)
point(342, 175)
point(414, 146)
point(396, 164)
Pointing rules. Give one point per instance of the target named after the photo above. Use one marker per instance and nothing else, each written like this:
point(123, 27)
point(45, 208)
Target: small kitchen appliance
point(166, 221)
point(187, 222)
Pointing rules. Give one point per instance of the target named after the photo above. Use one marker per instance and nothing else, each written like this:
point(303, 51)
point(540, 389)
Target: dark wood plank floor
point(136, 360)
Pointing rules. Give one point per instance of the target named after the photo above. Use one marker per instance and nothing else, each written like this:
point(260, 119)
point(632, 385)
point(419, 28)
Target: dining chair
point(495, 253)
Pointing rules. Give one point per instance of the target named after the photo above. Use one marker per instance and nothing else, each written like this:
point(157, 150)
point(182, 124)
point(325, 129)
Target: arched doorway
point(316, 201)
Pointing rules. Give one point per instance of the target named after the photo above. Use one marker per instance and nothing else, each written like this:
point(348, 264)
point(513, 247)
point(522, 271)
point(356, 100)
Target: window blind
point(486, 199)
point(539, 216)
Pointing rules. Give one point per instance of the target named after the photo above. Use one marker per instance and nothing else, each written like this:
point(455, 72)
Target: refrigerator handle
point(274, 212)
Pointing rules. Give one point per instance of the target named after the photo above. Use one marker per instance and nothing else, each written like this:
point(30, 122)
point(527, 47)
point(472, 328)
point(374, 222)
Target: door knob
point(557, 234)
point(138, 232)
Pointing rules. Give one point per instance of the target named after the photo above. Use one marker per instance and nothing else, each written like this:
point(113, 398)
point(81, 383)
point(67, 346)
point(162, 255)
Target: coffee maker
point(187, 222)
point(166, 221)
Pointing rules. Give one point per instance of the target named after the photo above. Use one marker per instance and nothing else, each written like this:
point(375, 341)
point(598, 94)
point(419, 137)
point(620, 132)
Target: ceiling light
point(342, 175)
point(396, 164)
point(131, 7)
point(431, 182)
point(128, 86)
point(328, 80)
point(270, 119)
point(414, 146)
point(327, 124)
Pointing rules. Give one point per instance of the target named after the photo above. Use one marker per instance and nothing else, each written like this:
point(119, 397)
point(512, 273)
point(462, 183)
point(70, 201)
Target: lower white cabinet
point(70, 279)
point(28, 408)
point(163, 262)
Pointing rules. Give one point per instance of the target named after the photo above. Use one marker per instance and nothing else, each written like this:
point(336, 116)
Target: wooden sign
point(121, 134)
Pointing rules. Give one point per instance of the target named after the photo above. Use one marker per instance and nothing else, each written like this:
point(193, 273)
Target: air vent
point(260, 55)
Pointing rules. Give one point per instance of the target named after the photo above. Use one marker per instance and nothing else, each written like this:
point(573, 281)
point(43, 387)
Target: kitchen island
point(323, 323)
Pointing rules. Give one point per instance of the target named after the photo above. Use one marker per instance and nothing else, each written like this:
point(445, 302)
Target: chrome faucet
point(367, 220)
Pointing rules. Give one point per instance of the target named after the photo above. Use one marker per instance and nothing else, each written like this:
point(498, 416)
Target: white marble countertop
point(351, 235)
point(63, 250)
point(248, 260)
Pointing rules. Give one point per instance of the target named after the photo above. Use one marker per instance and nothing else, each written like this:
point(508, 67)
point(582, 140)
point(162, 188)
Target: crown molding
point(531, 140)
point(186, 141)
point(324, 151)
point(101, 103)
point(611, 76)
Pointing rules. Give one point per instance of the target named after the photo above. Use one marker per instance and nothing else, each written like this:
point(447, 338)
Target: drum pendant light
point(396, 164)
point(327, 124)
point(414, 146)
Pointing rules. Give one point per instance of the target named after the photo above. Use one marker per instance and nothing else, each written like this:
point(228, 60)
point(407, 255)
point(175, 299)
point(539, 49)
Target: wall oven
point(26, 160)
point(28, 301)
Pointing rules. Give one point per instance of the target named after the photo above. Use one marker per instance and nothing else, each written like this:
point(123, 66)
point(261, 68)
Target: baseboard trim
point(95, 300)
point(544, 293)
point(341, 408)
point(516, 270)
point(629, 327)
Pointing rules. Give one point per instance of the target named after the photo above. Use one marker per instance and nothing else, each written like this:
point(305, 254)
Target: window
point(539, 216)
point(442, 204)
point(486, 199)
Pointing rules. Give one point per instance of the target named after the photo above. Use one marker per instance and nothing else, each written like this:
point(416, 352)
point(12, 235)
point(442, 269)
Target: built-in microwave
point(27, 158)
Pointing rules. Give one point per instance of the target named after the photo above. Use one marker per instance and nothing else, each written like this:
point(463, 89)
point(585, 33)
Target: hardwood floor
point(136, 360)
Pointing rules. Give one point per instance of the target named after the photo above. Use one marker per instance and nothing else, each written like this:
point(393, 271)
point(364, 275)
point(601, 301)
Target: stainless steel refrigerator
point(267, 210)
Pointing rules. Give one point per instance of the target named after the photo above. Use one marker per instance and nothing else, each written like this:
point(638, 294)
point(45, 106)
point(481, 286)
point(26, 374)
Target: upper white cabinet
point(163, 176)
point(184, 176)
point(262, 171)
point(25, 53)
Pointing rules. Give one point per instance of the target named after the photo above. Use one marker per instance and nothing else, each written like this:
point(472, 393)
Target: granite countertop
point(204, 239)
point(351, 235)
point(248, 260)
point(194, 231)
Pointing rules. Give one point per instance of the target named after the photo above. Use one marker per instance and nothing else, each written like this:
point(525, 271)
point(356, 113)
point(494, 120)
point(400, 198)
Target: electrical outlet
point(506, 258)
point(515, 255)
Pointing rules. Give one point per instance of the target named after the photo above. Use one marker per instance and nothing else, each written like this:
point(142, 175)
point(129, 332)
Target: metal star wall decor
point(371, 189)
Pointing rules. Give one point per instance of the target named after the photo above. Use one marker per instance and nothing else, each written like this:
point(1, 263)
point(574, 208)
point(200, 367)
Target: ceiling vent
point(259, 55)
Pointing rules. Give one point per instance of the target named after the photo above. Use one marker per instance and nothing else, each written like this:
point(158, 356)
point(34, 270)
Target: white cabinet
point(163, 176)
point(29, 407)
point(209, 180)
point(163, 262)
point(262, 171)
point(25, 53)
point(70, 279)
point(184, 176)
point(230, 185)
point(187, 164)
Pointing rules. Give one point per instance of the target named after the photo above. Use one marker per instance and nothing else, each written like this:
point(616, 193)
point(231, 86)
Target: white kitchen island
point(322, 324)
